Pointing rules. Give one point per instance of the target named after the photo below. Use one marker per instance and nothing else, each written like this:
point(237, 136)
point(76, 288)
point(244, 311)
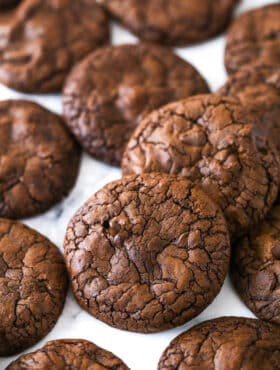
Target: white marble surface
point(137, 350)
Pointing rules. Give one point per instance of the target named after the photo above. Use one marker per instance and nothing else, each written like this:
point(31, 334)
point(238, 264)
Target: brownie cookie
point(66, 354)
point(254, 38)
point(173, 22)
point(226, 343)
point(42, 39)
point(39, 159)
point(108, 93)
point(258, 88)
point(33, 286)
point(256, 268)
point(212, 141)
point(147, 253)
point(4, 4)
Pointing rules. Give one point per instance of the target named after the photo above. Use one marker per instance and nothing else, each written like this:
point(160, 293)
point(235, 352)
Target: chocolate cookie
point(41, 40)
point(4, 4)
point(212, 141)
point(147, 253)
point(179, 22)
point(258, 88)
point(254, 38)
point(39, 159)
point(33, 286)
point(256, 268)
point(226, 343)
point(109, 92)
point(63, 354)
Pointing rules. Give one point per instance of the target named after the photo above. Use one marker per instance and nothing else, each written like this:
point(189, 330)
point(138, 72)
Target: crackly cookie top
point(33, 285)
point(254, 38)
point(42, 39)
point(226, 343)
point(68, 354)
point(258, 88)
point(147, 253)
point(179, 22)
point(39, 159)
point(256, 268)
point(108, 93)
point(213, 141)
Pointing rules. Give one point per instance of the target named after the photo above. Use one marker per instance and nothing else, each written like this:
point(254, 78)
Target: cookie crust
point(66, 354)
point(173, 22)
point(107, 94)
point(42, 40)
point(253, 39)
point(225, 343)
point(33, 286)
point(212, 141)
point(147, 253)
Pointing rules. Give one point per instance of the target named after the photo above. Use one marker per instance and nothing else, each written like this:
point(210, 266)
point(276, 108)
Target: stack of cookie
point(201, 176)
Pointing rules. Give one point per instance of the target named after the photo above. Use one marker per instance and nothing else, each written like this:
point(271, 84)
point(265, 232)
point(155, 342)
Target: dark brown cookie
point(109, 92)
point(147, 253)
point(254, 38)
point(179, 22)
point(33, 286)
point(258, 88)
point(6, 4)
point(66, 354)
point(42, 39)
point(39, 159)
point(256, 268)
point(226, 343)
point(210, 140)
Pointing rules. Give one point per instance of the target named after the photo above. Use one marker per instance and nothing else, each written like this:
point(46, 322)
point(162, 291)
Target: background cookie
point(42, 40)
point(253, 38)
point(39, 159)
point(4, 4)
point(180, 22)
point(33, 286)
point(75, 354)
point(210, 140)
point(108, 93)
point(256, 268)
point(147, 253)
point(258, 88)
point(226, 343)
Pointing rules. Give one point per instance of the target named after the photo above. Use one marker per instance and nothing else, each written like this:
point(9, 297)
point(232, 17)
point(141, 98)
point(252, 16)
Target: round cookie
point(147, 253)
point(258, 88)
point(42, 40)
point(212, 141)
point(108, 93)
point(33, 286)
point(173, 22)
point(39, 159)
point(256, 268)
point(254, 38)
point(226, 343)
point(74, 354)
